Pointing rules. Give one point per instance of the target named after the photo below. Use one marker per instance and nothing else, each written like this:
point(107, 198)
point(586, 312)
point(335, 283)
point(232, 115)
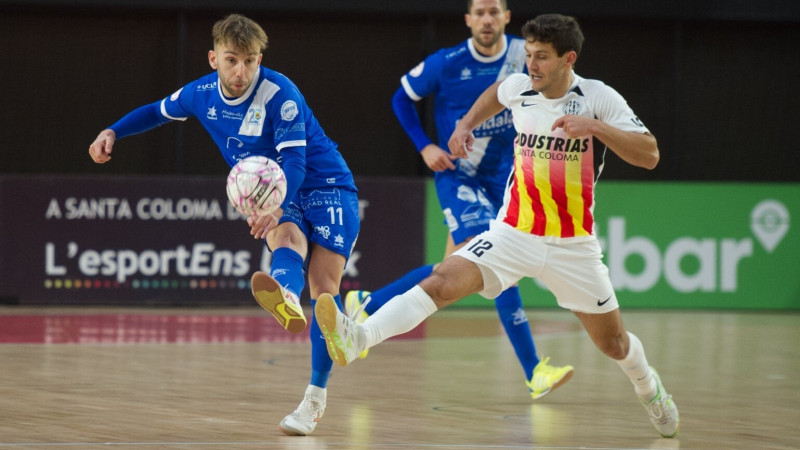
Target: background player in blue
point(470, 190)
point(249, 110)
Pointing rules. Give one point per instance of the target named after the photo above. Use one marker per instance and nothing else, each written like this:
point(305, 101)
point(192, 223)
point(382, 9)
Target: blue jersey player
point(248, 110)
point(470, 190)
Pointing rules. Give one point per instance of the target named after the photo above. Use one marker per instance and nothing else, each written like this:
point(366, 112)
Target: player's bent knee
point(613, 347)
point(443, 289)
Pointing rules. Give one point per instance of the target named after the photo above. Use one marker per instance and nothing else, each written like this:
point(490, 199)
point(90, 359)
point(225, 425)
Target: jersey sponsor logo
point(552, 143)
point(289, 110)
point(455, 53)
point(212, 113)
point(527, 104)
point(232, 115)
point(495, 125)
point(207, 86)
point(417, 71)
point(637, 122)
point(324, 231)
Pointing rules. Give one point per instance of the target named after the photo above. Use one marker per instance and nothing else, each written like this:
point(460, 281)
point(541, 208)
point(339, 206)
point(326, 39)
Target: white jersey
point(551, 192)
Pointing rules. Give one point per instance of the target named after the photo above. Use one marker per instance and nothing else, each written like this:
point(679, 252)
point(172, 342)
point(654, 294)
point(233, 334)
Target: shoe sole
point(290, 432)
point(325, 313)
point(267, 293)
point(555, 385)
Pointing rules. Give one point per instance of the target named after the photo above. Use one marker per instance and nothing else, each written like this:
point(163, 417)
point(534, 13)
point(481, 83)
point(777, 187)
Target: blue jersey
point(458, 76)
point(270, 117)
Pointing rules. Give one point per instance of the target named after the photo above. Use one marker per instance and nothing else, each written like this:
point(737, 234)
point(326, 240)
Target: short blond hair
point(240, 33)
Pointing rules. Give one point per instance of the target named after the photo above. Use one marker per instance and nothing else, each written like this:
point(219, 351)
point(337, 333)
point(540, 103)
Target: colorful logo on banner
point(169, 241)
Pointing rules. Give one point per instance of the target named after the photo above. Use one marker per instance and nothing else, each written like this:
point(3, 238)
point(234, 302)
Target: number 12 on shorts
point(479, 246)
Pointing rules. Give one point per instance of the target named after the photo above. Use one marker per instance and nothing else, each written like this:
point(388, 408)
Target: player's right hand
point(437, 159)
point(100, 150)
point(260, 226)
point(461, 142)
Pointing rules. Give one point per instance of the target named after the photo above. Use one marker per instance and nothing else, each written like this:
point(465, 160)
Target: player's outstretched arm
point(100, 150)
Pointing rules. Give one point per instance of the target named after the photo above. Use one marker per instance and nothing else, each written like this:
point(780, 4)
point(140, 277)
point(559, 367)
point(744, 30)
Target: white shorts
point(573, 272)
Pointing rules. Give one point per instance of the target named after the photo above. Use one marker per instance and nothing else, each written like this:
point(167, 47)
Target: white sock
point(636, 368)
point(319, 393)
point(399, 315)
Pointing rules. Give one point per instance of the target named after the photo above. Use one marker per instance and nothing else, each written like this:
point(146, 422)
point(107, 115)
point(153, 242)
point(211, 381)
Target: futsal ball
point(256, 186)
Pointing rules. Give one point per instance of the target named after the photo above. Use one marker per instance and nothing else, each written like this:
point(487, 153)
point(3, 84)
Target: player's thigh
point(504, 255)
point(465, 205)
point(333, 225)
point(577, 276)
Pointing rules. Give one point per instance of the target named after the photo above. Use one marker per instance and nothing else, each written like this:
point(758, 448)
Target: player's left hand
point(260, 226)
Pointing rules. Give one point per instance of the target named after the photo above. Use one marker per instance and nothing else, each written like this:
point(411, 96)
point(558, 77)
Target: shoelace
point(309, 409)
point(360, 309)
point(657, 410)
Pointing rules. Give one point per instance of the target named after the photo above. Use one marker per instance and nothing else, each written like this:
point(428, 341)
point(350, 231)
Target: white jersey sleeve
point(610, 107)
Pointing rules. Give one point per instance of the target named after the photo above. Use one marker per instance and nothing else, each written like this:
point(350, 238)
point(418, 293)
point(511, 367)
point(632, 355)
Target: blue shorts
point(468, 203)
point(328, 217)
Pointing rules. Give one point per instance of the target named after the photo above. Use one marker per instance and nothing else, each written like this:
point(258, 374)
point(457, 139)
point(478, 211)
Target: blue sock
point(287, 269)
point(399, 286)
point(512, 315)
point(321, 363)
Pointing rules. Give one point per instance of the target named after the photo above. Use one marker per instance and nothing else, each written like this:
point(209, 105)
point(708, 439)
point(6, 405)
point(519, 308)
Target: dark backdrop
point(714, 80)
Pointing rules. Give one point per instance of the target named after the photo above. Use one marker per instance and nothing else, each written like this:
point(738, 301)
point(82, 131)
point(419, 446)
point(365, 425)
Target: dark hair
point(561, 31)
point(503, 4)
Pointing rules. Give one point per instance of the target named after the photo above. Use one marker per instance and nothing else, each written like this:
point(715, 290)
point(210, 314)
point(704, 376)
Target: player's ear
point(260, 56)
point(212, 59)
point(571, 57)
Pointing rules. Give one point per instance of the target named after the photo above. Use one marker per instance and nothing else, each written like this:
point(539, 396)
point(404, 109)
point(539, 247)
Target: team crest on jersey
point(212, 113)
point(254, 115)
point(572, 107)
point(288, 110)
point(466, 74)
point(417, 71)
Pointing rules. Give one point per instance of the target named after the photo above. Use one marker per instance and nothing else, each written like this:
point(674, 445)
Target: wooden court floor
point(223, 379)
